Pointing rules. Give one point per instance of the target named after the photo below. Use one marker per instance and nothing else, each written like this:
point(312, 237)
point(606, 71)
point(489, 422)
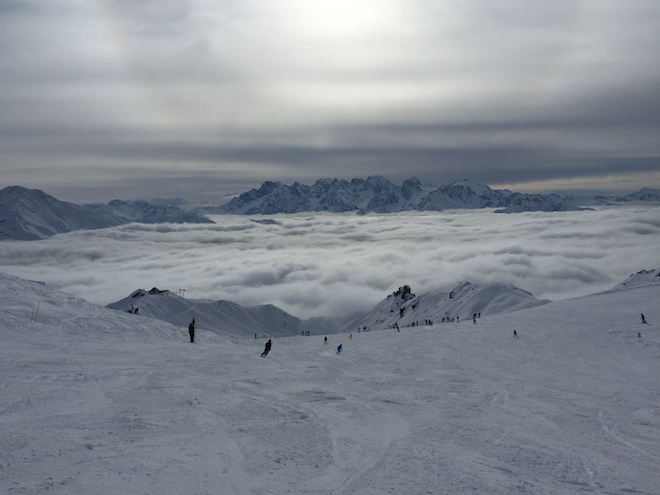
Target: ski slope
point(105, 402)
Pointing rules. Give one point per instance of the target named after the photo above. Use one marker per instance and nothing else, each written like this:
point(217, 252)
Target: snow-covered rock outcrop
point(403, 308)
point(642, 278)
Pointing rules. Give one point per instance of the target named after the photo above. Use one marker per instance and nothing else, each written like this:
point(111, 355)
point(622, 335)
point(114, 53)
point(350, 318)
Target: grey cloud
point(120, 96)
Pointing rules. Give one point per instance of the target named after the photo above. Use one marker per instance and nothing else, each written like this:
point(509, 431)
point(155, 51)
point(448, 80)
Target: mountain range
point(31, 214)
point(402, 308)
point(378, 195)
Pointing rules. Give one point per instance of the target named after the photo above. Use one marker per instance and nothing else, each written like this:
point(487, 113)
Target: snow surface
point(104, 402)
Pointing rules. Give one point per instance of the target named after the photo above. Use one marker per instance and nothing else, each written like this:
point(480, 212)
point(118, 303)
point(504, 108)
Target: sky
point(340, 265)
point(201, 99)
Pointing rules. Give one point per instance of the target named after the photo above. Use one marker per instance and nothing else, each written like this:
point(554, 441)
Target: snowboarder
point(266, 348)
point(325, 340)
point(515, 334)
point(339, 349)
point(191, 331)
point(643, 319)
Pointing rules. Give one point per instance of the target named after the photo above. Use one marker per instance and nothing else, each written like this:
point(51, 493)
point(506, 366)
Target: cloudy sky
point(199, 98)
point(335, 265)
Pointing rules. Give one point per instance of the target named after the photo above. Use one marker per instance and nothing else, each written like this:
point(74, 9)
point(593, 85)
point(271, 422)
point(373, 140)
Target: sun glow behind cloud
point(327, 264)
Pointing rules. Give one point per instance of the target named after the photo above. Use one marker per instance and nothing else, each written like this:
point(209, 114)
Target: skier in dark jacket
point(191, 331)
point(266, 349)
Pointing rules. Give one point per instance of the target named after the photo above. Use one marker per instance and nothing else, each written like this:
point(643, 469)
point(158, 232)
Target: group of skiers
point(191, 332)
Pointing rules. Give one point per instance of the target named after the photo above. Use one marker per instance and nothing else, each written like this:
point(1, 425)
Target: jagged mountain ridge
point(378, 195)
point(31, 214)
point(405, 309)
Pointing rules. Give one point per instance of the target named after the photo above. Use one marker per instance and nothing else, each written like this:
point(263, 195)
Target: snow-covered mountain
point(405, 309)
point(640, 279)
point(372, 194)
point(146, 212)
point(402, 308)
point(106, 402)
point(378, 195)
point(31, 214)
point(645, 194)
point(221, 317)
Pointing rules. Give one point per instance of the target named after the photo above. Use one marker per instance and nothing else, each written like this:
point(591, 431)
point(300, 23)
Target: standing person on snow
point(191, 331)
point(266, 349)
point(325, 340)
point(339, 349)
point(643, 319)
point(515, 334)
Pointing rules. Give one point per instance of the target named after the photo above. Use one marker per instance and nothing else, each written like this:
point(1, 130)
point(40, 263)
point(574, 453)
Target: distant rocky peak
point(404, 293)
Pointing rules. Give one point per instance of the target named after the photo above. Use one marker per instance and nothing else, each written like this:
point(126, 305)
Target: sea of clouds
point(322, 264)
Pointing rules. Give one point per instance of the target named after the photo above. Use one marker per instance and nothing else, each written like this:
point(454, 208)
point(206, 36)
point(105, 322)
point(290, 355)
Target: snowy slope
point(640, 279)
point(30, 214)
point(402, 307)
point(406, 309)
point(104, 402)
point(222, 317)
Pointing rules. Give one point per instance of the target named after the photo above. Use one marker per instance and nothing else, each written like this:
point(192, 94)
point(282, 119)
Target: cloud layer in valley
point(335, 265)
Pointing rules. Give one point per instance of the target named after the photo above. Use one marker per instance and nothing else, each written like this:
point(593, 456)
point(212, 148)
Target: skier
point(191, 331)
point(266, 349)
point(325, 340)
point(339, 349)
point(515, 334)
point(643, 319)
